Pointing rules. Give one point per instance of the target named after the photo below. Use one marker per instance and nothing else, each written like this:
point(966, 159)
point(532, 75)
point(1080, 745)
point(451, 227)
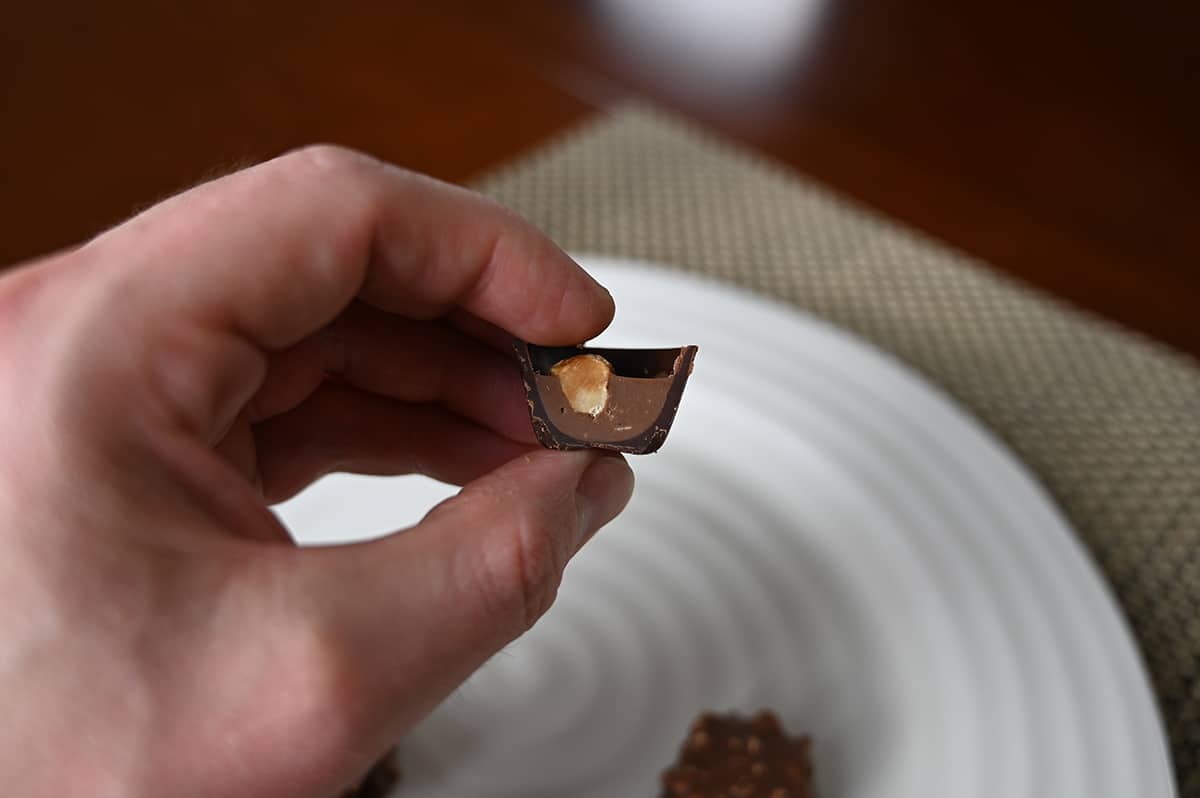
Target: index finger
point(277, 251)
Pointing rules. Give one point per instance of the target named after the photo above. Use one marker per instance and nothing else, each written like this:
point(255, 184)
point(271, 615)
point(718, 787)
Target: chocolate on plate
point(623, 400)
point(739, 757)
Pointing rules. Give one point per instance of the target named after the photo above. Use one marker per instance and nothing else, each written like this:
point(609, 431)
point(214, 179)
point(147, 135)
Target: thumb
point(420, 610)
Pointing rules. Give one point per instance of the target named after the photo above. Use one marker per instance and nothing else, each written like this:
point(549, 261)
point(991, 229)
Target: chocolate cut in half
point(623, 400)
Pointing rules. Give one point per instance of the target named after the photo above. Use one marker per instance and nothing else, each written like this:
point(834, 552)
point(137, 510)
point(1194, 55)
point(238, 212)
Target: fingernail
point(603, 491)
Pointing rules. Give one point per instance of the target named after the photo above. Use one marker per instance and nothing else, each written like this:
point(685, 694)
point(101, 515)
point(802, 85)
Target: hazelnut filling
point(589, 402)
point(584, 382)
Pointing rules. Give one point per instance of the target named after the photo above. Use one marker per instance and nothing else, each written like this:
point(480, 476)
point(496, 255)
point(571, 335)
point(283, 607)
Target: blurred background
point(1056, 140)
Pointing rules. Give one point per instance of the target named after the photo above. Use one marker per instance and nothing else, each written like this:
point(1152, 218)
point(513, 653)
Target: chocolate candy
point(623, 400)
point(738, 757)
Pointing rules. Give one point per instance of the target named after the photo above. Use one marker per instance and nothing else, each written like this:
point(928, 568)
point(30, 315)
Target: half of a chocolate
point(623, 400)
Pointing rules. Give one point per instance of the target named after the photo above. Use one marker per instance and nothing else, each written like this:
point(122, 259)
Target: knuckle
point(333, 158)
point(306, 687)
point(354, 178)
point(323, 685)
point(521, 572)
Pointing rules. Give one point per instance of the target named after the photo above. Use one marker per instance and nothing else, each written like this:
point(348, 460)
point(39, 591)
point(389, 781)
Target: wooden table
point(1059, 141)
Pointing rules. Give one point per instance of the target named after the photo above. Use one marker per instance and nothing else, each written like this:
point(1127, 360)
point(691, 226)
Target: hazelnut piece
point(584, 381)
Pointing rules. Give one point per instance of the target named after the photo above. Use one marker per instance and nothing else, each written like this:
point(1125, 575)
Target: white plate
point(824, 534)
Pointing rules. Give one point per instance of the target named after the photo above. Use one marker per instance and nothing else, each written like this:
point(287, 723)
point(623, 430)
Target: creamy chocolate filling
point(634, 404)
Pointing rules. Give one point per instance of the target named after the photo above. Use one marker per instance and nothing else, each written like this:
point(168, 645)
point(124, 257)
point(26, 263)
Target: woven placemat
point(1109, 421)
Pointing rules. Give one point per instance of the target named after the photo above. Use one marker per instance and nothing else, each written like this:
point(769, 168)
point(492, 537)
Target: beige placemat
point(1109, 421)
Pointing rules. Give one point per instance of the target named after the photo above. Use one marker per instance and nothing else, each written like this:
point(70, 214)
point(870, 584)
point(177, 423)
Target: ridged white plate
point(824, 534)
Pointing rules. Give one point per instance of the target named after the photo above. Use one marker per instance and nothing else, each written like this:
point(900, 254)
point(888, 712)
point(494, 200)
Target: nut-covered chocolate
point(618, 399)
point(738, 757)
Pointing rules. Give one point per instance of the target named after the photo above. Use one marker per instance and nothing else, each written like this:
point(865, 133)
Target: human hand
point(159, 633)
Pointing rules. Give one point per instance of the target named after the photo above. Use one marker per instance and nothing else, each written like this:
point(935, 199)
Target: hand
point(159, 633)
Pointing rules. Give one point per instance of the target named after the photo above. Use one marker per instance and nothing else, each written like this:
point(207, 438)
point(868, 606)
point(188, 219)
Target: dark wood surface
point(1059, 141)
